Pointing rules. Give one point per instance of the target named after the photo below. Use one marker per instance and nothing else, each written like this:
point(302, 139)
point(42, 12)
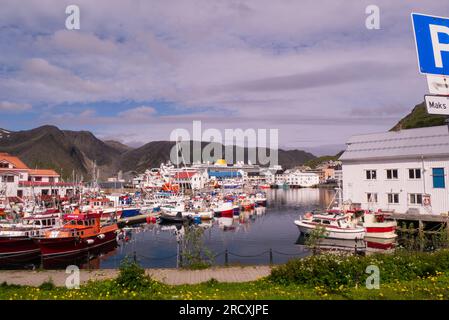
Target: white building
point(404, 171)
point(191, 179)
point(298, 178)
point(17, 180)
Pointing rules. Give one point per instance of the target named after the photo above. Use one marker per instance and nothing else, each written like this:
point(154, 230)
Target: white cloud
point(257, 62)
point(12, 107)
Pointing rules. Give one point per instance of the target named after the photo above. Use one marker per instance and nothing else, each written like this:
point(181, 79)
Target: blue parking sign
point(432, 43)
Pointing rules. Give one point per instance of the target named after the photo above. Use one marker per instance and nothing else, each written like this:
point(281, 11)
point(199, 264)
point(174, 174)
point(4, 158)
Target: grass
point(419, 118)
point(403, 275)
point(426, 288)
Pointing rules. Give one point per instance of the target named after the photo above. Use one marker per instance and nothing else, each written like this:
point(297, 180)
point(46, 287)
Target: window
point(438, 178)
point(415, 198)
point(326, 222)
point(371, 197)
point(371, 174)
point(414, 173)
point(10, 179)
point(38, 179)
point(392, 173)
point(393, 198)
point(4, 165)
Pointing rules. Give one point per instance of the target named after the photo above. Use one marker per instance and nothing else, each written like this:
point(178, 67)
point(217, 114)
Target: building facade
point(297, 178)
point(17, 180)
point(404, 171)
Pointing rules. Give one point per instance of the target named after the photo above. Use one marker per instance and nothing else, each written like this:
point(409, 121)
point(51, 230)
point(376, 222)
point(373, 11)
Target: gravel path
point(168, 276)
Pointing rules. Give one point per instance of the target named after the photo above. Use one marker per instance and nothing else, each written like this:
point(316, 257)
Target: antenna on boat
point(337, 196)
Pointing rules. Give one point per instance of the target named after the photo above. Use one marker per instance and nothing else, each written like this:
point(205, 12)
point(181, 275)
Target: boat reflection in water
point(358, 246)
point(374, 245)
point(87, 260)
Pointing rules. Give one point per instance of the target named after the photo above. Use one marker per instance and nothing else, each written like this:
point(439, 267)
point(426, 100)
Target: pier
point(426, 223)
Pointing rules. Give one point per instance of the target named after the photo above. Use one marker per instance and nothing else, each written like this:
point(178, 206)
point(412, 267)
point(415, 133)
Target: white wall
point(356, 186)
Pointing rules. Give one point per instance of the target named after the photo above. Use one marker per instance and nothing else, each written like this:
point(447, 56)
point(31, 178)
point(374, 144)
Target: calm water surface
point(248, 238)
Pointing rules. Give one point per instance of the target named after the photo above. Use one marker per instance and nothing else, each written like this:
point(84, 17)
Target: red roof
point(16, 162)
point(184, 175)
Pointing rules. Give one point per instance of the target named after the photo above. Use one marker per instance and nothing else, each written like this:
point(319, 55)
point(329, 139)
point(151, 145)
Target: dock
point(427, 223)
point(136, 219)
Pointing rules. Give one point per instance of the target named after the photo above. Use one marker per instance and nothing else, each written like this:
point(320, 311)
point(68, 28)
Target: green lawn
point(432, 287)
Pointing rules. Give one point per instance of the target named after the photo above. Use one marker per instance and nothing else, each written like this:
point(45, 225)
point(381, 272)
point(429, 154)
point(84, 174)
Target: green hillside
point(419, 118)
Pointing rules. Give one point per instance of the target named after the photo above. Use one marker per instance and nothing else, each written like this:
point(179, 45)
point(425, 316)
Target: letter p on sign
point(432, 43)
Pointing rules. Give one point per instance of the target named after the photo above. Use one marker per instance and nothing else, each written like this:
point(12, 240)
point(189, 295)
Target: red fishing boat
point(16, 238)
point(224, 209)
point(81, 232)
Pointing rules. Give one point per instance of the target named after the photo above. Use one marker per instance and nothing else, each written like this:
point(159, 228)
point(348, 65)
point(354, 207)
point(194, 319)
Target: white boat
point(336, 226)
point(379, 225)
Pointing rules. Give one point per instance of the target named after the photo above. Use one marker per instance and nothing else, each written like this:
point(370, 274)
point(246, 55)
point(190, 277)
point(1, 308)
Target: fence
point(137, 257)
point(270, 253)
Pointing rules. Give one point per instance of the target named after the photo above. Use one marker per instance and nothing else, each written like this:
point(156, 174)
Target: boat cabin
point(331, 221)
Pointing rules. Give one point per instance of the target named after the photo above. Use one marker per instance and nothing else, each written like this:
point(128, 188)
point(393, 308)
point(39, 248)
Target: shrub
point(132, 276)
point(194, 254)
point(336, 270)
point(47, 285)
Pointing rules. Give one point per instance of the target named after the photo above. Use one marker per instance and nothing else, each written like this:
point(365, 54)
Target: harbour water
point(247, 238)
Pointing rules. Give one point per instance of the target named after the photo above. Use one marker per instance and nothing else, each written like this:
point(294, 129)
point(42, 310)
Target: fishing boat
point(261, 200)
point(224, 209)
point(175, 217)
point(335, 226)
point(379, 225)
point(80, 233)
point(16, 239)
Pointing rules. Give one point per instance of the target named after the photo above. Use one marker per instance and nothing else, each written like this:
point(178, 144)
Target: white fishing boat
point(379, 225)
point(335, 226)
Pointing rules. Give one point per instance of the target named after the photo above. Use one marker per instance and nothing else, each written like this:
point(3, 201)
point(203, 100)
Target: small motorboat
point(178, 217)
point(336, 226)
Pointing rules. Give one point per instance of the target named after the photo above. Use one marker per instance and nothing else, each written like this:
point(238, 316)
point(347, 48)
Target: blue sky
point(136, 71)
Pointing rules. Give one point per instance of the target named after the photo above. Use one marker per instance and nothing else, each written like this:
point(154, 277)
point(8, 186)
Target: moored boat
point(80, 233)
point(379, 225)
point(335, 226)
point(16, 239)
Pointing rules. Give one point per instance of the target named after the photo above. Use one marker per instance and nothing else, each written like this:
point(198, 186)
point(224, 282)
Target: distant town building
point(404, 171)
point(297, 178)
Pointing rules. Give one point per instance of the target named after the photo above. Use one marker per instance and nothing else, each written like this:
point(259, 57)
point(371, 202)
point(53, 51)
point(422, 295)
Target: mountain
point(153, 153)
point(317, 161)
point(79, 151)
point(419, 118)
point(120, 147)
point(64, 151)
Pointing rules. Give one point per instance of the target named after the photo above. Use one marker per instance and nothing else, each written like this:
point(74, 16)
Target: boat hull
point(381, 232)
point(333, 233)
point(18, 246)
point(229, 213)
point(128, 213)
point(51, 247)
